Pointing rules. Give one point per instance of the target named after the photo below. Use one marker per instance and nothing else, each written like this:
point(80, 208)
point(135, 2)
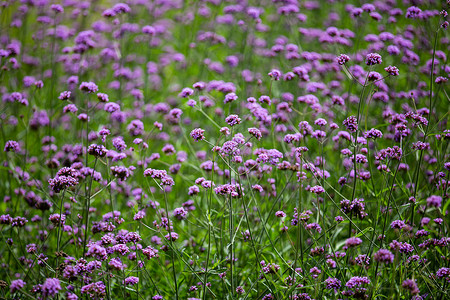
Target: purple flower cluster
point(198, 134)
point(333, 166)
point(65, 178)
point(373, 59)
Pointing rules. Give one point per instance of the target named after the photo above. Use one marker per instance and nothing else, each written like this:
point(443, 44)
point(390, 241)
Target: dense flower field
point(273, 149)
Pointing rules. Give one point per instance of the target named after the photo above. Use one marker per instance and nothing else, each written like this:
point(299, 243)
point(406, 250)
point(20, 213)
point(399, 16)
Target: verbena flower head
point(434, 201)
point(65, 95)
point(230, 97)
point(97, 150)
point(384, 256)
point(373, 59)
point(186, 92)
point(351, 124)
point(233, 120)
point(275, 74)
point(255, 132)
point(132, 280)
point(88, 87)
point(51, 287)
point(413, 12)
point(197, 134)
point(353, 242)
point(94, 290)
point(411, 286)
point(65, 178)
point(342, 59)
point(333, 283)
point(357, 281)
point(16, 285)
point(12, 146)
point(391, 70)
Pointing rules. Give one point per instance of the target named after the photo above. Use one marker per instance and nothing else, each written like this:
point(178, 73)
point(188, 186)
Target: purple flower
point(361, 159)
point(255, 132)
point(315, 272)
point(150, 30)
point(83, 117)
point(136, 127)
point(280, 214)
point(413, 12)
point(233, 120)
point(97, 150)
point(398, 224)
point(64, 95)
point(111, 107)
point(57, 8)
point(384, 256)
point(373, 59)
point(186, 92)
point(317, 190)
point(172, 236)
point(97, 251)
point(102, 97)
point(51, 287)
point(197, 134)
point(314, 226)
point(16, 285)
point(373, 134)
point(342, 59)
point(353, 242)
point(12, 146)
point(434, 200)
point(225, 130)
point(119, 143)
point(270, 268)
point(333, 283)
point(274, 156)
point(320, 122)
point(410, 285)
point(5, 219)
point(121, 8)
point(57, 219)
point(401, 247)
point(229, 148)
point(443, 273)
point(19, 222)
point(70, 108)
point(265, 99)
point(374, 76)
point(139, 215)
point(240, 290)
point(391, 70)
point(339, 219)
point(180, 213)
point(357, 282)
point(441, 80)
point(122, 249)
point(132, 280)
point(59, 183)
point(150, 252)
point(88, 87)
point(275, 74)
point(122, 172)
point(230, 97)
point(351, 124)
point(94, 290)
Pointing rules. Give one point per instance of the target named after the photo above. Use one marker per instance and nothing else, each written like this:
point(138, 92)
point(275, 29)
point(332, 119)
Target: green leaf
point(368, 229)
